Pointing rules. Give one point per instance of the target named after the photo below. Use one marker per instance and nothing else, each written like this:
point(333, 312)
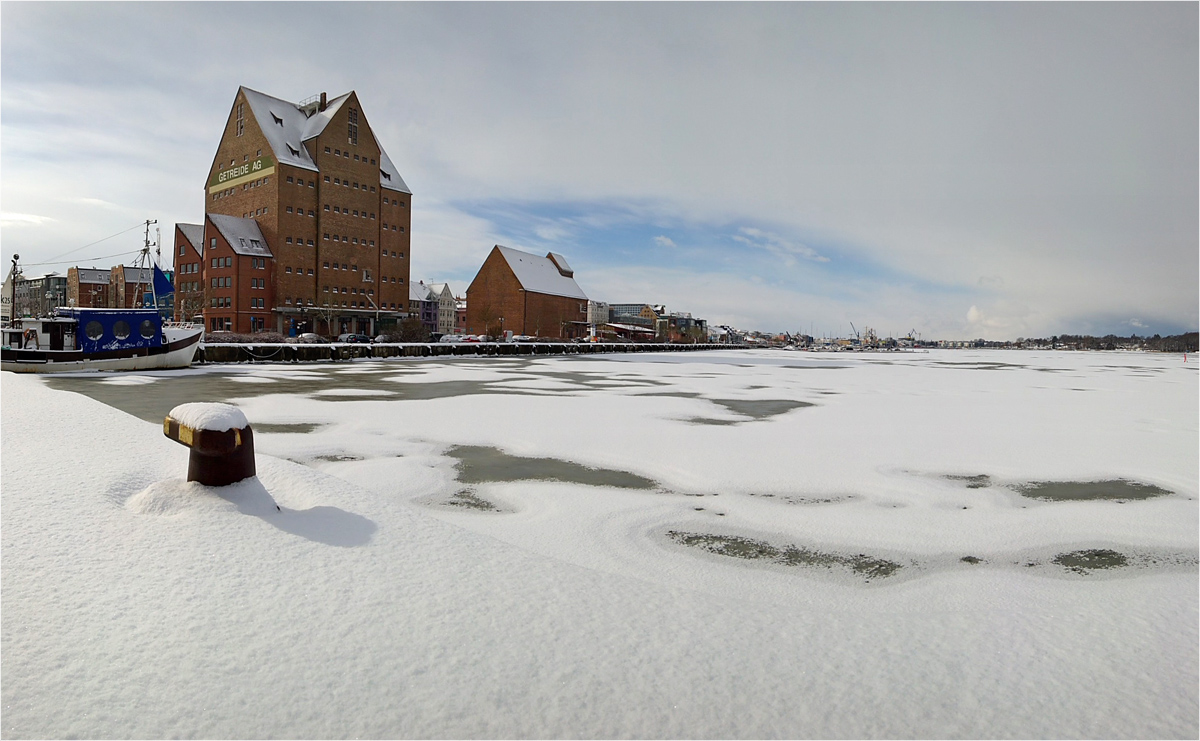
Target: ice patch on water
point(130, 380)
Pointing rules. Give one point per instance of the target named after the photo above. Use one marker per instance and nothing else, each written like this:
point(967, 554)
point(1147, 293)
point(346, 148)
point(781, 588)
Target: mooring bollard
point(220, 438)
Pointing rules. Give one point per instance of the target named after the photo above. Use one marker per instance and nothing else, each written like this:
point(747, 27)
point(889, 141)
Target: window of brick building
point(241, 119)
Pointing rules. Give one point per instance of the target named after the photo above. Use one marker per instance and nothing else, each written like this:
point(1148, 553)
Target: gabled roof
point(283, 124)
point(440, 289)
point(94, 275)
point(540, 274)
point(286, 127)
point(389, 176)
point(243, 235)
point(194, 234)
point(420, 292)
point(138, 275)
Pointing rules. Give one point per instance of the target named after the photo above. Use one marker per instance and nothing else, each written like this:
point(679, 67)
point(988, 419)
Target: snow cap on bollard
point(220, 439)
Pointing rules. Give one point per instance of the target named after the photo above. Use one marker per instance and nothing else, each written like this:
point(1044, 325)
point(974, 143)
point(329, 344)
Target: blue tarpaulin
point(100, 330)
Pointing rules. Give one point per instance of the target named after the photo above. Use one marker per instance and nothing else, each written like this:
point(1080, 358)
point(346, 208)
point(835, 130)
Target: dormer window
point(276, 119)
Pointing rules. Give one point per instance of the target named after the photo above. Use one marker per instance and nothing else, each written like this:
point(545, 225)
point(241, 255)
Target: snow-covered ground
point(719, 544)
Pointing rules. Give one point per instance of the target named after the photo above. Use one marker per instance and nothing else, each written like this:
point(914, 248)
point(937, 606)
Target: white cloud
point(777, 245)
point(1011, 152)
point(552, 232)
point(664, 241)
point(11, 219)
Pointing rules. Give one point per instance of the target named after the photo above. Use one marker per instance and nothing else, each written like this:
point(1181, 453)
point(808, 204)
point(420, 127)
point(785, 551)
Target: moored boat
point(80, 339)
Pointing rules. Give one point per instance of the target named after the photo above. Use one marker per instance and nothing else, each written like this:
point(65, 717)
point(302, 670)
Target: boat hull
point(176, 354)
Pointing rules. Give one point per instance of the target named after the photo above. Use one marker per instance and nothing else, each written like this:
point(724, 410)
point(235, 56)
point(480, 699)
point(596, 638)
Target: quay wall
point(308, 353)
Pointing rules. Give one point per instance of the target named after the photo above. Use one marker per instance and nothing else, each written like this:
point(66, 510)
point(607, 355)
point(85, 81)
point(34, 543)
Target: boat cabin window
point(94, 330)
point(146, 329)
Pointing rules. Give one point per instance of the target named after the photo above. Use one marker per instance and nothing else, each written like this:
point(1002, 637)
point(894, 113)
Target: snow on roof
point(439, 288)
point(93, 275)
point(389, 176)
point(284, 126)
point(630, 328)
point(287, 127)
point(206, 416)
point(194, 234)
point(317, 122)
point(540, 274)
point(420, 292)
point(561, 262)
point(243, 235)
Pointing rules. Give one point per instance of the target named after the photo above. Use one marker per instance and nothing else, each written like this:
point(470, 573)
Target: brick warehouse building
point(329, 212)
point(526, 294)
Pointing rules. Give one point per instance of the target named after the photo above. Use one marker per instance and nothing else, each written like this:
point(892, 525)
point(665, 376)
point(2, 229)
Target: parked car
point(351, 337)
point(524, 338)
point(452, 338)
point(309, 337)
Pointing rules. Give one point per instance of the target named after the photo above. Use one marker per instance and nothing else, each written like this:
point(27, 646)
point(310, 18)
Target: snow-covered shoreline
point(369, 605)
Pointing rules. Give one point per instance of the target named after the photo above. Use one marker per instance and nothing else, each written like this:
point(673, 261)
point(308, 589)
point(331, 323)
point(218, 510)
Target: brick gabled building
point(88, 287)
point(526, 294)
point(129, 286)
point(238, 269)
point(189, 271)
point(332, 211)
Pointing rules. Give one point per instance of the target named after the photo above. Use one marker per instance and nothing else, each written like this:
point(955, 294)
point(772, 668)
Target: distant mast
point(141, 265)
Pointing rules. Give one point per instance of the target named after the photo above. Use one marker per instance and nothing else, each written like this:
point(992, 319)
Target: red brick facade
point(497, 302)
point(338, 235)
point(189, 276)
point(88, 289)
point(238, 286)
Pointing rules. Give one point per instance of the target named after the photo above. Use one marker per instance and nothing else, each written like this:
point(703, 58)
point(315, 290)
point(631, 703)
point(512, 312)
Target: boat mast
point(143, 259)
point(12, 285)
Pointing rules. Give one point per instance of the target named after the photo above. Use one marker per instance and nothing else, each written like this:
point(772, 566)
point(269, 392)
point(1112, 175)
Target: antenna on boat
point(141, 266)
point(12, 285)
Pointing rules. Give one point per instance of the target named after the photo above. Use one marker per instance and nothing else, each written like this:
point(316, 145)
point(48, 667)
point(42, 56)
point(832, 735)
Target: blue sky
point(965, 170)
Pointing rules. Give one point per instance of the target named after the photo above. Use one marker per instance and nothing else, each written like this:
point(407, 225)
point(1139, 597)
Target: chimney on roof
point(323, 104)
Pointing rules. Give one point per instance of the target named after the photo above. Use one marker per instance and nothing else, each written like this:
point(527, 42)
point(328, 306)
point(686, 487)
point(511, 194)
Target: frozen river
point(728, 544)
